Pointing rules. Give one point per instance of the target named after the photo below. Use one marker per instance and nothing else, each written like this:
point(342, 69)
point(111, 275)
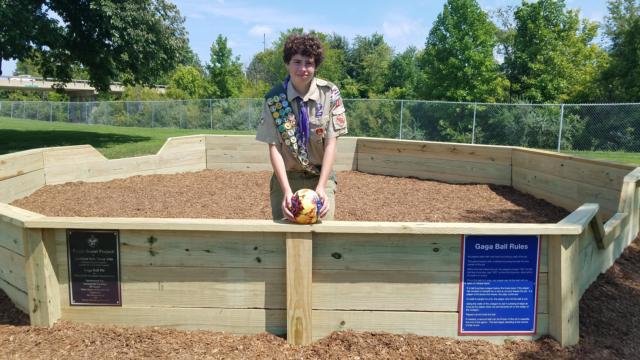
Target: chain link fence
point(560, 127)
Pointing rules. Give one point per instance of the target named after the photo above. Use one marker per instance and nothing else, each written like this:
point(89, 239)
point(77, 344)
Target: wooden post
point(597, 226)
point(43, 289)
point(564, 288)
point(299, 251)
point(636, 220)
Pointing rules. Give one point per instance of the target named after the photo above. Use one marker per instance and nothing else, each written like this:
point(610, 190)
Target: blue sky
point(243, 22)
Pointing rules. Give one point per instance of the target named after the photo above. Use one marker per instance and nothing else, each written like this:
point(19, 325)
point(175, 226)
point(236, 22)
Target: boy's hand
point(286, 206)
point(325, 202)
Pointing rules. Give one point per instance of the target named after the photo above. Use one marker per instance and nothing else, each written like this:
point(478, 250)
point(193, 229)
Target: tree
point(267, 67)
point(30, 67)
point(505, 35)
point(225, 71)
point(335, 56)
point(27, 67)
point(187, 82)
point(368, 62)
point(24, 25)
point(458, 58)
point(553, 58)
point(133, 41)
point(621, 79)
point(337, 42)
point(403, 74)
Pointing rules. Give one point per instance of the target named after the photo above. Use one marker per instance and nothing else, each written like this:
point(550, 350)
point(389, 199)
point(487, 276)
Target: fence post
point(473, 130)
point(68, 111)
point(50, 111)
point(401, 111)
point(181, 112)
point(210, 114)
point(249, 127)
point(561, 123)
point(153, 113)
point(12, 103)
point(37, 112)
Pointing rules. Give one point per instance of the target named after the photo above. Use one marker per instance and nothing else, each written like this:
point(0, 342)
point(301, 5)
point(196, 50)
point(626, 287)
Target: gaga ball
point(305, 206)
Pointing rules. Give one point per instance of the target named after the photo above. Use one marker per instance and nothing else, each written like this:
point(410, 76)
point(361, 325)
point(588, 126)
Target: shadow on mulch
point(9, 314)
point(609, 329)
point(542, 210)
point(610, 311)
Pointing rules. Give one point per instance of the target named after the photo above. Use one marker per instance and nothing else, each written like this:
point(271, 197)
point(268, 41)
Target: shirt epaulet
point(324, 83)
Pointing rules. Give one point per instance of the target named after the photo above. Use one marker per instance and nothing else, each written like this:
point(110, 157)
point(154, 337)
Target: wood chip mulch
point(609, 320)
point(218, 194)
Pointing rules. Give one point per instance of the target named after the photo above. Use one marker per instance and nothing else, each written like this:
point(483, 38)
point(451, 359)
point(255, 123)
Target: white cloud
point(398, 28)
point(259, 30)
point(193, 15)
point(403, 31)
point(254, 14)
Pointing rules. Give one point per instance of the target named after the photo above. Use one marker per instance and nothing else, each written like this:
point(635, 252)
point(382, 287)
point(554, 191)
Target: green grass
point(629, 158)
point(118, 142)
point(112, 141)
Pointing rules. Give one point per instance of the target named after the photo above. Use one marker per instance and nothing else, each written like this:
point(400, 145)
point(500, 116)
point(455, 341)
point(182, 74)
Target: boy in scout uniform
point(301, 121)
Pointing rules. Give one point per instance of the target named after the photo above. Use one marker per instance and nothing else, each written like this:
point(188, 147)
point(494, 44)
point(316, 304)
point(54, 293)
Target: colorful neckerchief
point(304, 120)
point(285, 122)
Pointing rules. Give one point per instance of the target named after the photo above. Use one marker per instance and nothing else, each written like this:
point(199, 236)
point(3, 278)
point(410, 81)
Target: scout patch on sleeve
point(336, 101)
point(340, 122)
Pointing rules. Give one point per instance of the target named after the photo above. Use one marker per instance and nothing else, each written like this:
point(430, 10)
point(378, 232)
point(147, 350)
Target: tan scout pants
point(297, 181)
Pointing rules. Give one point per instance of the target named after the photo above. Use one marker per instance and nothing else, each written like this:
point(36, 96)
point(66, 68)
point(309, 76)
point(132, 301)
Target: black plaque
point(94, 267)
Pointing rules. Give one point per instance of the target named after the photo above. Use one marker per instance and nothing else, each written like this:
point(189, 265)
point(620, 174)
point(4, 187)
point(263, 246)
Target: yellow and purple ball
point(305, 206)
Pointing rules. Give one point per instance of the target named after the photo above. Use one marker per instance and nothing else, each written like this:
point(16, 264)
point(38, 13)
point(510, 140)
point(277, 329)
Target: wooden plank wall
point(236, 282)
point(244, 153)
point(13, 280)
point(567, 181)
point(455, 163)
point(85, 163)
point(223, 281)
point(395, 283)
point(594, 260)
point(21, 174)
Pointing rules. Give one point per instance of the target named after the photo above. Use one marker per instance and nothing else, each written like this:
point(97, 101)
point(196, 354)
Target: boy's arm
point(277, 163)
point(328, 159)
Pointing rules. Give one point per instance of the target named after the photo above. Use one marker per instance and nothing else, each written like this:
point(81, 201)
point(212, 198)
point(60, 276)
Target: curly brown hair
point(305, 45)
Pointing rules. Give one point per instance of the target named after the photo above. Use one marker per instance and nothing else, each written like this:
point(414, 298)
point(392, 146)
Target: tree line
point(536, 52)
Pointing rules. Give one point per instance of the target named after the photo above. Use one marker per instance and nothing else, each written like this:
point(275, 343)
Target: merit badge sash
point(285, 122)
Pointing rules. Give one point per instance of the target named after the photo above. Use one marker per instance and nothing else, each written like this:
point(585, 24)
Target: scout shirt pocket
point(317, 128)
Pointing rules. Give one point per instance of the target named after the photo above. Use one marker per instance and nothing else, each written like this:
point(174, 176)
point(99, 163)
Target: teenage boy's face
point(301, 69)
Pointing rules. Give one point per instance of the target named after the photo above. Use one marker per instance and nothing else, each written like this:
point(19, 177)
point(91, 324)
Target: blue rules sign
point(499, 284)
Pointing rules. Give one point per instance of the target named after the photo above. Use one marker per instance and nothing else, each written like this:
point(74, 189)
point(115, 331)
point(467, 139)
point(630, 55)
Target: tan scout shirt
point(327, 119)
